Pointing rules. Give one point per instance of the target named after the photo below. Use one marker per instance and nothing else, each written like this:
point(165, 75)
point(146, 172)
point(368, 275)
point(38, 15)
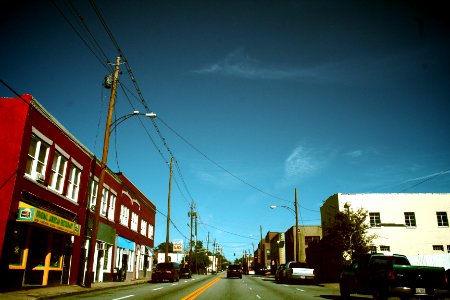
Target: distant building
point(409, 224)
point(306, 234)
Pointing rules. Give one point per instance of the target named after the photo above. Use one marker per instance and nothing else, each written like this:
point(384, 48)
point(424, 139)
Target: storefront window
point(56, 250)
point(17, 246)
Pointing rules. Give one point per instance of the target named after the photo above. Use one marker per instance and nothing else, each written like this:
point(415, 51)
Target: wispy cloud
point(300, 162)
point(238, 64)
point(358, 154)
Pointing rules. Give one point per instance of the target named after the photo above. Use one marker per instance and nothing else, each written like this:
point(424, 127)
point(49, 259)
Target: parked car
point(234, 271)
point(299, 271)
point(185, 273)
point(166, 271)
point(280, 274)
point(386, 276)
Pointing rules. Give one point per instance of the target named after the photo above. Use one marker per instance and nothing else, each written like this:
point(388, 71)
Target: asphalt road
point(217, 287)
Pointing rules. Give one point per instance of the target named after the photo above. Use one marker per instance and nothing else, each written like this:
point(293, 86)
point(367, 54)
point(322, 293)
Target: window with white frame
point(438, 248)
point(104, 203)
point(37, 158)
point(144, 227)
point(150, 231)
point(93, 187)
point(375, 219)
point(134, 221)
point(448, 248)
point(410, 219)
point(74, 182)
point(442, 218)
point(58, 172)
point(112, 205)
point(385, 248)
point(124, 215)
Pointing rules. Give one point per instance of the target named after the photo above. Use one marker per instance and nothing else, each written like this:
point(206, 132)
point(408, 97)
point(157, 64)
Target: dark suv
point(234, 271)
point(166, 271)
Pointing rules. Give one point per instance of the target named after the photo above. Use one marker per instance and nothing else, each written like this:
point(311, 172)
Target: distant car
point(166, 271)
point(280, 274)
point(185, 273)
point(234, 271)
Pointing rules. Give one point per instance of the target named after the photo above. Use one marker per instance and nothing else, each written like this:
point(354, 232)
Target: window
point(37, 158)
point(385, 248)
point(104, 204)
point(442, 219)
point(93, 187)
point(112, 206)
point(124, 215)
point(438, 248)
point(58, 172)
point(74, 183)
point(150, 231)
point(410, 219)
point(375, 220)
point(134, 221)
point(448, 248)
point(310, 239)
point(143, 227)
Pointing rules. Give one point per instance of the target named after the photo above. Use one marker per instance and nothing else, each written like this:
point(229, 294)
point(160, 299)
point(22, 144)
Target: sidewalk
point(63, 290)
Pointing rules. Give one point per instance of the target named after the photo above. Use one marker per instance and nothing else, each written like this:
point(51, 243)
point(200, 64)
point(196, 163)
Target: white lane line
point(123, 297)
point(257, 296)
point(300, 290)
point(160, 288)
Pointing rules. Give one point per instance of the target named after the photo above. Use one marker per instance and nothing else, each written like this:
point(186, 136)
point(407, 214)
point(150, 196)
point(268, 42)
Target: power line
point(219, 166)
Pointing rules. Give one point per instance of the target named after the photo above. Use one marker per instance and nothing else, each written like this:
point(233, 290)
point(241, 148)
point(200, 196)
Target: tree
point(161, 248)
point(349, 233)
point(345, 240)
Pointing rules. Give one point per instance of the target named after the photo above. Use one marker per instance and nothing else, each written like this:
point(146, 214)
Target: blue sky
point(254, 99)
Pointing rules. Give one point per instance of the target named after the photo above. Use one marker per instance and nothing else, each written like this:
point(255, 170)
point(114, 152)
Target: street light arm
point(122, 119)
point(292, 211)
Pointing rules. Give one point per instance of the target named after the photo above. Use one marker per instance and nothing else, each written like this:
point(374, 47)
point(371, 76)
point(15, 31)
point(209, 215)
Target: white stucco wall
point(403, 240)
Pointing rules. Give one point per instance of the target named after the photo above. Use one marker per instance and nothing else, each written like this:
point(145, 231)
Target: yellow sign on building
point(28, 213)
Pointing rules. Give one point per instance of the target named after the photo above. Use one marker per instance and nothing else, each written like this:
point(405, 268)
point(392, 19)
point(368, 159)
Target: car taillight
point(446, 279)
point(391, 275)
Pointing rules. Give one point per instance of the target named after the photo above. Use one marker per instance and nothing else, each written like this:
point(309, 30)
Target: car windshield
point(390, 260)
point(234, 267)
point(298, 265)
point(184, 269)
point(164, 266)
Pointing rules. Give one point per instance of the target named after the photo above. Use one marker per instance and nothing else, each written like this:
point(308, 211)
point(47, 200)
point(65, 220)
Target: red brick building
point(48, 188)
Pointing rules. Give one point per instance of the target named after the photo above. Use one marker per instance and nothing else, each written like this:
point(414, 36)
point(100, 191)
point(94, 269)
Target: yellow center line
point(200, 290)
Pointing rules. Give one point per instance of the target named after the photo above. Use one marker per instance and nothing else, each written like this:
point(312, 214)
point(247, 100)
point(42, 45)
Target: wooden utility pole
point(297, 244)
point(93, 240)
point(166, 258)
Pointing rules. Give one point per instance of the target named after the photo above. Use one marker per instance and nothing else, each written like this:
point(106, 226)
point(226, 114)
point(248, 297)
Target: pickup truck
point(299, 271)
point(385, 276)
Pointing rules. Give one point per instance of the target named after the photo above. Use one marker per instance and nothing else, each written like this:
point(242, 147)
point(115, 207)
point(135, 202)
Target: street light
point(295, 213)
point(122, 119)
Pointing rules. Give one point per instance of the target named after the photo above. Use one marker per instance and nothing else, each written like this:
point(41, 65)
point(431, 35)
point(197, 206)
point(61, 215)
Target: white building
point(409, 224)
point(173, 257)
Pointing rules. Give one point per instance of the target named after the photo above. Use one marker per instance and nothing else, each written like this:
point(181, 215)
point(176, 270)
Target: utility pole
point(297, 244)
point(196, 263)
point(191, 215)
point(166, 258)
point(94, 233)
point(261, 252)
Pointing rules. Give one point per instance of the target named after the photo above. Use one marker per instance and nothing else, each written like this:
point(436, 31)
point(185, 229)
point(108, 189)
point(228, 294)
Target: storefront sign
point(177, 245)
point(28, 213)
